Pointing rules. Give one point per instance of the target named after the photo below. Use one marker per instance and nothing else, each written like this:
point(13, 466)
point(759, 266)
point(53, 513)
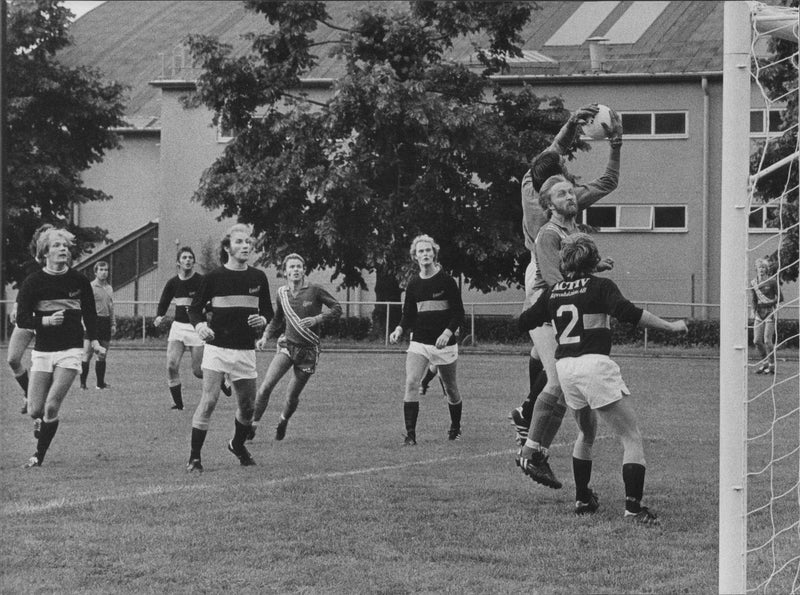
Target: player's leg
point(88, 352)
point(48, 392)
point(17, 344)
point(759, 328)
point(244, 390)
point(549, 409)
point(293, 389)
point(175, 351)
point(621, 418)
point(585, 499)
point(447, 372)
point(100, 364)
point(769, 343)
point(196, 352)
point(202, 414)
point(280, 364)
point(416, 364)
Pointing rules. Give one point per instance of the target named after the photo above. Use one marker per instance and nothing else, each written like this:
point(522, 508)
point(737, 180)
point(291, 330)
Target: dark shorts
point(103, 329)
point(303, 357)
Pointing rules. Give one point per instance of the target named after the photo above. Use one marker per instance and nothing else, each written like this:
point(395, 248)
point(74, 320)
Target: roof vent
point(597, 53)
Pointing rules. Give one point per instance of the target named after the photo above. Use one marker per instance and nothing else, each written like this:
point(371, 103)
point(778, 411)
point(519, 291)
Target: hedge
point(497, 329)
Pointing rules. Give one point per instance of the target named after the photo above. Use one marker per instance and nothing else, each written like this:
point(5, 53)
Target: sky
point(81, 7)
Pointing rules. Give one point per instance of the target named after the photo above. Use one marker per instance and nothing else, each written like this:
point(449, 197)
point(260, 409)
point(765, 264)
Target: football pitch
point(340, 505)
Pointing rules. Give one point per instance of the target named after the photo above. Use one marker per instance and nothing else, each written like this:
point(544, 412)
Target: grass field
point(340, 506)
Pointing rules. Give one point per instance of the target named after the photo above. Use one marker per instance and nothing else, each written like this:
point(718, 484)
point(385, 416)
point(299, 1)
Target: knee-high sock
point(239, 433)
point(410, 413)
point(429, 375)
point(46, 434)
point(633, 476)
point(100, 371)
point(455, 414)
point(536, 387)
point(84, 372)
point(177, 396)
point(582, 471)
point(547, 417)
point(198, 438)
point(22, 380)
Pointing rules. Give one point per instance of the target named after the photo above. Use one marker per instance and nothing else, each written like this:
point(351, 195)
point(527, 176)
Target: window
point(655, 124)
point(762, 119)
point(760, 216)
point(636, 217)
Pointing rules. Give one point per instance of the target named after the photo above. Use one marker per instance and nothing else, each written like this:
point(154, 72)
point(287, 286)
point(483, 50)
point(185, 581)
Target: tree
point(57, 125)
point(780, 80)
point(409, 142)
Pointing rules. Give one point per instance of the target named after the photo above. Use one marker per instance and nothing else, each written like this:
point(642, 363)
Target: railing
point(144, 309)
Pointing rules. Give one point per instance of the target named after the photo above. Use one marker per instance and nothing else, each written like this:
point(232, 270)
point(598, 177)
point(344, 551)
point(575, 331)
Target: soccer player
point(57, 303)
point(21, 337)
point(557, 195)
point(764, 295)
point(581, 306)
point(181, 289)
point(240, 309)
point(106, 326)
point(432, 311)
point(298, 315)
point(551, 162)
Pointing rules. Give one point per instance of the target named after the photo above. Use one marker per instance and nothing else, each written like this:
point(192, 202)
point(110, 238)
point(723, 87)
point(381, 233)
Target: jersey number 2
point(566, 337)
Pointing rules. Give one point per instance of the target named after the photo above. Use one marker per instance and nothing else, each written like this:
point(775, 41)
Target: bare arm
point(650, 320)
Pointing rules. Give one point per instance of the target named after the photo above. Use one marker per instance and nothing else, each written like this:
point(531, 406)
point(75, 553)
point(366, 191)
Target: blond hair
point(423, 238)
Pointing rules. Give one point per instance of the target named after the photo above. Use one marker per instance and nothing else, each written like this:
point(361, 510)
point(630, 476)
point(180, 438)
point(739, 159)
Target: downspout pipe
point(705, 198)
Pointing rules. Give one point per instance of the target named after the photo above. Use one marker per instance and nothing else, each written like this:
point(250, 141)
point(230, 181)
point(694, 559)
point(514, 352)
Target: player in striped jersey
point(580, 307)
point(240, 309)
point(57, 303)
point(432, 312)
point(298, 313)
point(181, 289)
point(21, 337)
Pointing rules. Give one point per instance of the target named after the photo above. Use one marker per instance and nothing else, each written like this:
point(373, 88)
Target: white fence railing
point(147, 309)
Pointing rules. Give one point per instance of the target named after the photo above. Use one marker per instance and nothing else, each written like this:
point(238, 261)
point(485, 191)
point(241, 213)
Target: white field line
point(21, 508)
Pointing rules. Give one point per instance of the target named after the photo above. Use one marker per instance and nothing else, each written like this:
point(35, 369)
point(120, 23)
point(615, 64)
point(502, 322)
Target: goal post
point(733, 331)
point(759, 420)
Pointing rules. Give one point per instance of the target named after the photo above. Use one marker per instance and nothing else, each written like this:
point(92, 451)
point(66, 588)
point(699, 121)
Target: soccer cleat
point(83, 386)
point(177, 407)
point(643, 517)
point(225, 387)
point(24, 409)
point(769, 370)
point(762, 369)
point(423, 388)
point(102, 386)
point(37, 427)
point(194, 465)
point(410, 439)
point(280, 431)
point(538, 469)
point(520, 425)
point(34, 461)
point(242, 454)
point(454, 433)
point(590, 506)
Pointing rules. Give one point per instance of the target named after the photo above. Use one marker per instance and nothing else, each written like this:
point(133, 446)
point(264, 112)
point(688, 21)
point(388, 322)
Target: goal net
point(759, 392)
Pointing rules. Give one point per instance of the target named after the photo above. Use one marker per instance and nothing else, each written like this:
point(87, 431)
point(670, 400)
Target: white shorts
point(592, 379)
point(47, 361)
point(530, 280)
point(240, 364)
point(436, 356)
point(183, 332)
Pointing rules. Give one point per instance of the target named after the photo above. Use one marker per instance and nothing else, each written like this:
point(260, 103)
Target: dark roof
point(137, 42)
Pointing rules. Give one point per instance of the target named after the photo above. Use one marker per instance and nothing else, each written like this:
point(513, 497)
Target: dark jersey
point(580, 310)
point(43, 294)
point(233, 295)
point(182, 292)
point(432, 305)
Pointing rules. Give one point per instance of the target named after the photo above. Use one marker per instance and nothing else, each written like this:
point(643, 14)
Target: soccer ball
point(594, 127)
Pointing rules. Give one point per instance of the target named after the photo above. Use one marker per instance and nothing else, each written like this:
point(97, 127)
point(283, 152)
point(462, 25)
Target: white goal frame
point(739, 19)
